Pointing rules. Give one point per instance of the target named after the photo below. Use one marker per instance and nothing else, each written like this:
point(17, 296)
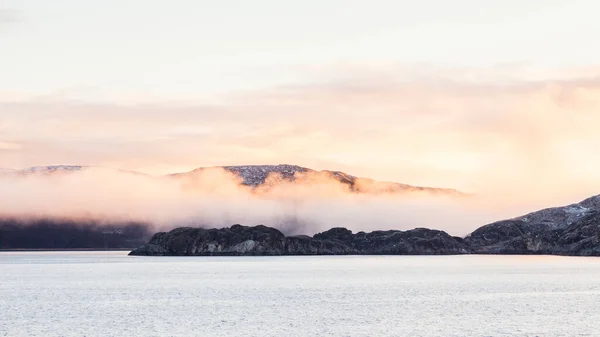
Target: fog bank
point(216, 198)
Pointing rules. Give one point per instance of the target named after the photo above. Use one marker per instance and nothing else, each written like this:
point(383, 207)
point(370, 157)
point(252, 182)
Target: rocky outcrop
point(262, 240)
point(419, 241)
point(568, 230)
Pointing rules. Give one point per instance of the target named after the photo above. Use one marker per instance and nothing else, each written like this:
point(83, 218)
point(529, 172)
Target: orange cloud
point(527, 137)
point(214, 197)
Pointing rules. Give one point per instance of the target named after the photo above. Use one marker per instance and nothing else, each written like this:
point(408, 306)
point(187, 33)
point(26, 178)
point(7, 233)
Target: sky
point(484, 96)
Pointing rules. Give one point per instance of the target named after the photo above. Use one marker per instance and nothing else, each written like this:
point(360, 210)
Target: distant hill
point(568, 230)
point(269, 175)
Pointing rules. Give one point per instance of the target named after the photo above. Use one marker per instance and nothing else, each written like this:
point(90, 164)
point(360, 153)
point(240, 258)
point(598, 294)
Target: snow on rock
point(259, 175)
point(270, 175)
point(54, 168)
point(560, 217)
point(254, 175)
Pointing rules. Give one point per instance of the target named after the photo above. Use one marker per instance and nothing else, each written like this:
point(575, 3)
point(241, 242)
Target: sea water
point(112, 294)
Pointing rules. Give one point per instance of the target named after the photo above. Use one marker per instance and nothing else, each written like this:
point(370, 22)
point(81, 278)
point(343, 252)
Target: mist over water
point(217, 198)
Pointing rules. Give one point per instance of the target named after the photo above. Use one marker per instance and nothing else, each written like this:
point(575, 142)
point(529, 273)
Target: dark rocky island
point(569, 230)
point(240, 240)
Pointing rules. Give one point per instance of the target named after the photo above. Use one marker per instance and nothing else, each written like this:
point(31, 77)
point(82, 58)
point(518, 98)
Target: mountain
point(271, 175)
point(262, 240)
point(268, 176)
point(42, 170)
point(52, 169)
point(569, 230)
point(59, 169)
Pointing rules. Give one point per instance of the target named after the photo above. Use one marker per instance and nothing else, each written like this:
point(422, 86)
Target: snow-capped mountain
point(254, 175)
point(41, 170)
point(261, 175)
point(53, 168)
point(268, 175)
point(58, 169)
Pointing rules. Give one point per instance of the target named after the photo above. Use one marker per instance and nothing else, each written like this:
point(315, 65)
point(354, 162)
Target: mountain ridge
point(261, 175)
point(573, 229)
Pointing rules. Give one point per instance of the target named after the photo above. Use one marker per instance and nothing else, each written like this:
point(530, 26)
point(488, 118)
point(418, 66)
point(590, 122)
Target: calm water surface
point(111, 294)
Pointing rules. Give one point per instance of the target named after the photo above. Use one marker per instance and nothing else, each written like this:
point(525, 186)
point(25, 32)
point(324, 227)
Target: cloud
point(528, 140)
point(215, 198)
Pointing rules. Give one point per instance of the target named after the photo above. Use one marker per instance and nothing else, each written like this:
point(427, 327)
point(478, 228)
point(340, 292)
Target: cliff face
point(262, 240)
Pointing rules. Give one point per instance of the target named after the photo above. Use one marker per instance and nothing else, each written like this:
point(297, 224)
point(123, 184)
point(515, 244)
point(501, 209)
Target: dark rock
point(336, 233)
point(581, 237)
point(577, 237)
point(262, 240)
point(305, 245)
point(419, 241)
point(235, 240)
point(150, 250)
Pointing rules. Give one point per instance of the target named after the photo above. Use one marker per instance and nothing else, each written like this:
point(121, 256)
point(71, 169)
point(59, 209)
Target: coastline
point(64, 249)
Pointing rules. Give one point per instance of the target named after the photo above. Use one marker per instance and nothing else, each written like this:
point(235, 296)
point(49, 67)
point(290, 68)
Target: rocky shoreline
point(239, 240)
point(570, 230)
point(581, 238)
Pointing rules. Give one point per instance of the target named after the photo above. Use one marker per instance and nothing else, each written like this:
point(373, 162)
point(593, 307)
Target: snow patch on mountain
point(254, 175)
point(261, 175)
point(53, 168)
